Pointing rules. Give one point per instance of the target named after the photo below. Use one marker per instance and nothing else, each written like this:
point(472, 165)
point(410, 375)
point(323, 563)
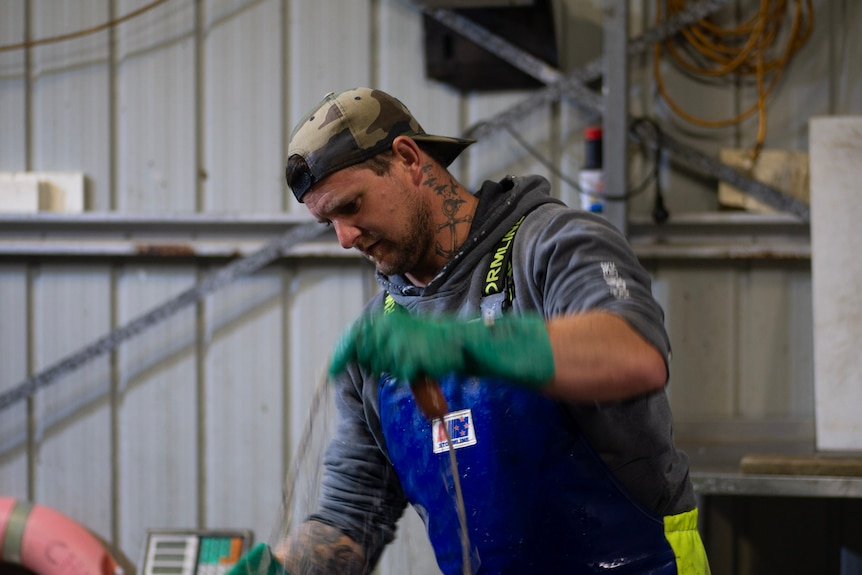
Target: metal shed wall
point(186, 110)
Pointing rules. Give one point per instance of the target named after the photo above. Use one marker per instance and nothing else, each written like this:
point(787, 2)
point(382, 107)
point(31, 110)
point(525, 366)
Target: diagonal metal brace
point(710, 165)
point(212, 282)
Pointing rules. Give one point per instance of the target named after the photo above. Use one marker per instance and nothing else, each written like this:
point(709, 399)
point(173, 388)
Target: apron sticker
point(459, 425)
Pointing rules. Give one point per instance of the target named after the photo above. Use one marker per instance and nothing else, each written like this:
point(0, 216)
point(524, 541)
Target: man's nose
point(347, 235)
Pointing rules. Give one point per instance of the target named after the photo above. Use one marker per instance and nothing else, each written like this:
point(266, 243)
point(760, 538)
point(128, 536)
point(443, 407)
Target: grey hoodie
point(564, 261)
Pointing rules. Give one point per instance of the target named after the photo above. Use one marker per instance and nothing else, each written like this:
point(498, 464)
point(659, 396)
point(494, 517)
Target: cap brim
point(444, 148)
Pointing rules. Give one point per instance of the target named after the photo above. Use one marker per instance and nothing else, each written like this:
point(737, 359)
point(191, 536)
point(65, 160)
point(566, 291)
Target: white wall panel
point(494, 157)
point(14, 330)
point(71, 94)
point(14, 344)
point(323, 301)
point(13, 150)
point(401, 42)
point(73, 436)
point(244, 403)
point(774, 378)
point(701, 316)
point(742, 338)
point(244, 117)
point(330, 49)
point(157, 408)
point(401, 71)
point(157, 109)
point(836, 150)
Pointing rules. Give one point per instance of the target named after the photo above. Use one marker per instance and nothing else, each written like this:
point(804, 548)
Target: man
point(532, 327)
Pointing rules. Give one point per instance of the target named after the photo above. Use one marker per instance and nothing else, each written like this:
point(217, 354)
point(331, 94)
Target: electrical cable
point(707, 50)
point(572, 183)
point(85, 32)
point(542, 159)
point(659, 211)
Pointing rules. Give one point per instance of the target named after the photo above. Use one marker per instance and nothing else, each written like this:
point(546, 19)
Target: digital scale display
point(188, 552)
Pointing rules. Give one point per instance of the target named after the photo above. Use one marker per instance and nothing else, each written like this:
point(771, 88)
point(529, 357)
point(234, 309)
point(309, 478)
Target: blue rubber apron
point(538, 498)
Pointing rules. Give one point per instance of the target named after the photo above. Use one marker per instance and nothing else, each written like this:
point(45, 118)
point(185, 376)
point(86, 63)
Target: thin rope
point(84, 32)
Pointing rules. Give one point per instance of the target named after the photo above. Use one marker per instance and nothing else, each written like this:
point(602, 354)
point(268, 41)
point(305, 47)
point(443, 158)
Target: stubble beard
point(410, 248)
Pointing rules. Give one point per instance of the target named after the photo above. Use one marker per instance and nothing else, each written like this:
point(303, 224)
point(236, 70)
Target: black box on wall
point(458, 61)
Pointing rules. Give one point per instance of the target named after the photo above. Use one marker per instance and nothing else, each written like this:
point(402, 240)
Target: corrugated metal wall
point(186, 109)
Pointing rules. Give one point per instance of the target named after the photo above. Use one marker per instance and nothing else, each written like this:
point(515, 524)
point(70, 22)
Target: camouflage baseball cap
point(352, 126)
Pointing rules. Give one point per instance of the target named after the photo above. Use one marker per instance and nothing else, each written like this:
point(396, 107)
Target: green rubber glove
point(515, 347)
point(258, 561)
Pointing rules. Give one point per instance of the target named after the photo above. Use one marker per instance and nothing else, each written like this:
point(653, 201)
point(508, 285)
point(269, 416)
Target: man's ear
point(406, 151)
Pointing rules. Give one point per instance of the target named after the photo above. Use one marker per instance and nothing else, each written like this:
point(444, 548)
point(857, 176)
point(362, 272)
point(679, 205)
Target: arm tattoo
point(318, 549)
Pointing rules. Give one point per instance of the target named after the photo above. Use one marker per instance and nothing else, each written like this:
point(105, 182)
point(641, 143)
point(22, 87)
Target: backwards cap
point(352, 126)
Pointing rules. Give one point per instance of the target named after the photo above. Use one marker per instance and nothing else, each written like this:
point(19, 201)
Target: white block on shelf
point(66, 191)
point(835, 148)
point(31, 192)
point(19, 192)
